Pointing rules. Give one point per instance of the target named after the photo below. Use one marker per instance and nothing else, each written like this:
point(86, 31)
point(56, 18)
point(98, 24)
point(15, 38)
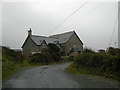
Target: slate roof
point(39, 39)
point(63, 37)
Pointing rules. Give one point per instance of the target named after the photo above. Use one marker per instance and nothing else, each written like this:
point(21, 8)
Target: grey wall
point(29, 47)
point(74, 43)
point(43, 45)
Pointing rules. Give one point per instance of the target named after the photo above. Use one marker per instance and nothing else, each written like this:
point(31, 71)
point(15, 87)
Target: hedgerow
point(107, 63)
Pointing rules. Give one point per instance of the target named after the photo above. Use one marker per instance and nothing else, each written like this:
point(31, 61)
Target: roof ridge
point(62, 33)
point(38, 36)
point(44, 36)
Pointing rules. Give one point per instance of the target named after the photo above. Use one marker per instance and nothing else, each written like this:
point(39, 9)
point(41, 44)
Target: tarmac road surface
point(55, 76)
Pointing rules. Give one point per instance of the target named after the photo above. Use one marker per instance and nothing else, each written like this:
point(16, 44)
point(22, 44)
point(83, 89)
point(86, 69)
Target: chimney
point(30, 32)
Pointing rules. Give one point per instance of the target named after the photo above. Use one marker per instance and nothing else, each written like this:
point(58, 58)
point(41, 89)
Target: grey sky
point(93, 23)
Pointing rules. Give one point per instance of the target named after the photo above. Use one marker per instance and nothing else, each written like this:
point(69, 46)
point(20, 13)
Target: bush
point(82, 58)
point(47, 55)
point(113, 51)
point(8, 52)
point(101, 51)
point(41, 58)
point(53, 47)
point(103, 62)
point(88, 50)
point(67, 58)
point(55, 56)
point(7, 67)
point(54, 52)
point(11, 62)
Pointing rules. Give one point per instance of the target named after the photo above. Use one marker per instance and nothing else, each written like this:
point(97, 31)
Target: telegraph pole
point(119, 24)
point(115, 45)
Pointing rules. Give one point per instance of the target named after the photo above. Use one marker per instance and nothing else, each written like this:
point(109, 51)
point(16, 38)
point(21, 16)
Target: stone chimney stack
point(30, 32)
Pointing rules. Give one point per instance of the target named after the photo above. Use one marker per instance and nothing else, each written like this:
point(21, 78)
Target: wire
point(92, 11)
point(67, 18)
point(113, 30)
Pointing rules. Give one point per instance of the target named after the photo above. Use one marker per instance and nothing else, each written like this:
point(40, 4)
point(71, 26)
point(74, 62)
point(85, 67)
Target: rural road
point(54, 76)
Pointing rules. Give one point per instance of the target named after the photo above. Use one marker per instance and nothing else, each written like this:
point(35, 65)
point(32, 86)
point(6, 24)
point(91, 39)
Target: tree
point(55, 52)
point(53, 47)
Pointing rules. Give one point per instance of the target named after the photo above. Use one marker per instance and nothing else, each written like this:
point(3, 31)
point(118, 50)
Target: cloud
point(93, 23)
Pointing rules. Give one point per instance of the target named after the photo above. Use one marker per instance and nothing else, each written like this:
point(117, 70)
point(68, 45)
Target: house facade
point(67, 42)
point(70, 42)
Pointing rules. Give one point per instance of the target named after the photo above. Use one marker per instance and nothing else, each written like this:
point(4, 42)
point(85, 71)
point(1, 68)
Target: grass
point(81, 70)
point(9, 67)
point(0, 67)
point(12, 62)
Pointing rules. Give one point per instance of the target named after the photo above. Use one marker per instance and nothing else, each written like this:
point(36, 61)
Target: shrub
point(40, 58)
point(54, 52)
point(88, 50)
point(113, 51)
point(53, 47)
point(104, 63)
point(47, 55)
point(8, 52)
point(70, 58)
point(101, 51)
point(7, 66)
point(10, 61)
point(67, 58)
point(56, 56)
point(117, 63)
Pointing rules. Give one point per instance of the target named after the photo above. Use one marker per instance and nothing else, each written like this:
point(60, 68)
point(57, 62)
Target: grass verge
point(91, 71)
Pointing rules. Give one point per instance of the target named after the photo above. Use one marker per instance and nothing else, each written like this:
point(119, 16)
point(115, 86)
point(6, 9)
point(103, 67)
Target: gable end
point(26, 41)
point(76, 36)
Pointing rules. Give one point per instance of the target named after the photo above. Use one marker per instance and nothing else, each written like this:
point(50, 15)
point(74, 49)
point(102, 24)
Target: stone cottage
point(68, 42)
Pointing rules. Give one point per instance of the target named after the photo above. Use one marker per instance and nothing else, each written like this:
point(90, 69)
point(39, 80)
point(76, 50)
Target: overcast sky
point(94, 23)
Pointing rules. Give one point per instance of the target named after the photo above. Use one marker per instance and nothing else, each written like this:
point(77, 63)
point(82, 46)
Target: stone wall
point(72, 44)
point(29, 47)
